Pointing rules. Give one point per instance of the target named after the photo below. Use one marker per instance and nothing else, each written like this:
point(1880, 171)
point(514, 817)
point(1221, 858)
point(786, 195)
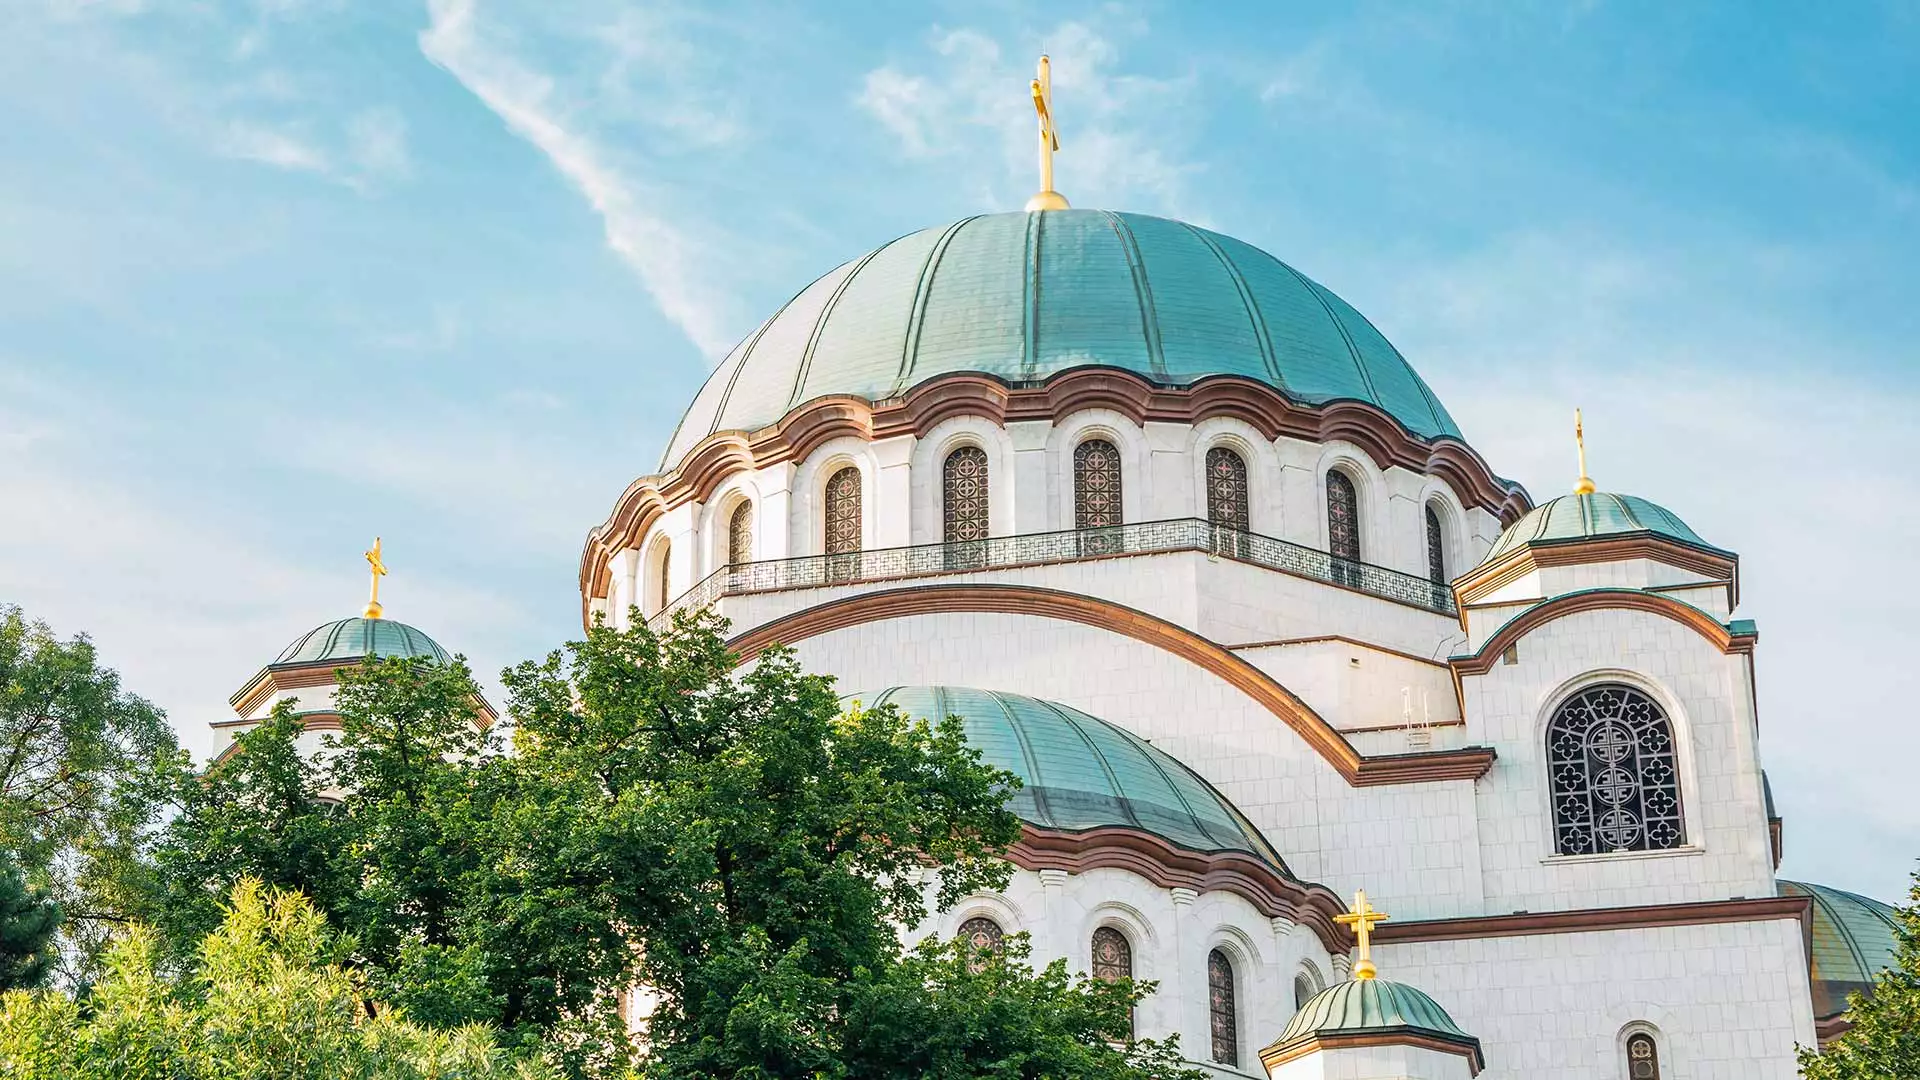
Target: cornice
point(708, 464)
point(1713, 564)
point(287, 677)
point(1358, 770)
point(1168, 866)
point(1715, 631)
point(1588, 920)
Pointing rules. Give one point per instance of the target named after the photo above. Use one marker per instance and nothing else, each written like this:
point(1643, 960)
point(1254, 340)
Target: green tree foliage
point(85, 769)
point(267, 998)
point(1884, 1041)
point(28, 922)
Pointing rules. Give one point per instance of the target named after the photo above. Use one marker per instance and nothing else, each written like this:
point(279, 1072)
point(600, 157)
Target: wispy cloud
point(662, 253)
point(963, 106)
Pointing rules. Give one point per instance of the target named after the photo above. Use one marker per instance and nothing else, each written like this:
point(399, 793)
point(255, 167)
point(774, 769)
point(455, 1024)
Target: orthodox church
point(1192, 549)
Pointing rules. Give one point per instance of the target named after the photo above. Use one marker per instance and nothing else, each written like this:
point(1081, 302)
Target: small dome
point(359, 639)
point(1853, 940)
point(1025, 296)
point(1080, 773)
point(1371, 1007)
point(1573, 518)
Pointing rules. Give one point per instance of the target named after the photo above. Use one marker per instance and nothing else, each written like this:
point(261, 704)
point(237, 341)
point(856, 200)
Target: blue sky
point(278, 276)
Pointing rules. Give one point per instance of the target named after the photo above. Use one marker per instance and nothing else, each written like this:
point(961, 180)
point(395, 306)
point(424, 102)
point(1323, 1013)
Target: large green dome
point(1025, 296)
point(1079, 772)
point(359, 639)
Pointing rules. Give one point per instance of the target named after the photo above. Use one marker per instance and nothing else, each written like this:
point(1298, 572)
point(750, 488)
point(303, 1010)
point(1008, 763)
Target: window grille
point(1436, 555)
point(1227, 500)
point(740, 535)
point(963, 501)
point(1643, 1058)
point(1610, 757)
point(1096, 495)
point(1343, 528)
point(1220, 1009)
point(1112, 956)
point(842, 501)
point(983, 936)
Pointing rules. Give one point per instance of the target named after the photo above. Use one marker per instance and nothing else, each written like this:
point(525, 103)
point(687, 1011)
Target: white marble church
point(1193, 550)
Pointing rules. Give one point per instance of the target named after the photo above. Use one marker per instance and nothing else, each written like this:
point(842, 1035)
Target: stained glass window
point(1436, 550)
point(1610, 757)
point(1096, 495)
point(982, 935)
point(1112, 956)
point(1227, 499)
point(740, 535)
point(1220, 1005)
point(842, 499)
point(1343, 527)
point(963, 494)
point(1643, 1058)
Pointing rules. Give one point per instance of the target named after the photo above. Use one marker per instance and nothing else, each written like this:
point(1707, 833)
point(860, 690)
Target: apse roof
point(1373, 1006)
point(1853, 940)
point(359, 639)
point(1080, 773)
point(1025, 296)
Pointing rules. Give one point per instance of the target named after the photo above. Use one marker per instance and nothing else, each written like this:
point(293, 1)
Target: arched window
point(740, 534)
point(1096, 495)
point(1610, 759)
point(963, 506)
point(1112, 955)
point(663, 582)
point(1227, 500)
point(982, 935)
point(1436, 549)
point(1305, 985)
point(842, 521)
point(1643, 1057)
point(1220, 1006)
point(1343, 527)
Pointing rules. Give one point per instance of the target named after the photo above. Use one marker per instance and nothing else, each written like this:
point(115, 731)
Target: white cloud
point(377, 144)
point(281, 148)
point(666, 258)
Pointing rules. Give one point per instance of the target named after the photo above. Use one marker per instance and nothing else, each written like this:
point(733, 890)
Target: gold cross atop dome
point(1585, 484)
point(372, 610)
point(1042, 89)
point(1362, 919)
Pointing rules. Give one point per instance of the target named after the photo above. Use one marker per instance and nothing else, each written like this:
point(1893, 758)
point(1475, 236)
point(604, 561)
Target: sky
point(277, 276)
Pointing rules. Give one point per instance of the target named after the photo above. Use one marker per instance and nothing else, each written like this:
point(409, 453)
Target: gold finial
point(372, 610)
point(1047, 198)
point(1585, 484)
point(1362, 919)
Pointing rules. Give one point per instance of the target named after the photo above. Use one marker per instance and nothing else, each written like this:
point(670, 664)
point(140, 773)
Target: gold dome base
point(1048, 200)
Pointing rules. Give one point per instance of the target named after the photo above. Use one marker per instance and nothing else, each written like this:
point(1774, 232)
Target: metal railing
point(1034, 549)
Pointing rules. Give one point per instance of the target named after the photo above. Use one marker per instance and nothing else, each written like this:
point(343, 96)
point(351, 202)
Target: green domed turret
point(1362, 1009)
point(1592, 516)
point(359, 639)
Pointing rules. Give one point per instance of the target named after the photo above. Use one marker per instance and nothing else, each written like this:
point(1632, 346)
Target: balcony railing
point(1038, 549)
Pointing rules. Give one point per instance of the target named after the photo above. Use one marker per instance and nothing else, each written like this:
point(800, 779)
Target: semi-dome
point(1371, 1007)
point(1592, 516)
point(1853, 940)
point(1079, 772)
point(359, 639)
point(1025, 296)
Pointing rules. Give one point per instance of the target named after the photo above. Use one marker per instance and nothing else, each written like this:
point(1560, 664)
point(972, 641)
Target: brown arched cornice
point(1700, 622)
point(1170, 867)
point(705, 467)
point(1470, 763)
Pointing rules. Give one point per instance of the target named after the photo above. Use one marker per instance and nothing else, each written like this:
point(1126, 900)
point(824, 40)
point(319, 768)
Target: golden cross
point(1362, 919)
point(1042, 89)
point(1585, 486)
point(379, 571)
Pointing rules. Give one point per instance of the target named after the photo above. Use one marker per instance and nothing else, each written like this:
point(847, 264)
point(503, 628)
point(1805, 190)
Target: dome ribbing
point(1574, 518)
point(359, 639)
point(1853, 941)
point(1026, 296)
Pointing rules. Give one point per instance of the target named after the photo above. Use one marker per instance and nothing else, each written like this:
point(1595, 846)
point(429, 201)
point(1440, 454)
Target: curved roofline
point(1735, 637)
point(709, 463)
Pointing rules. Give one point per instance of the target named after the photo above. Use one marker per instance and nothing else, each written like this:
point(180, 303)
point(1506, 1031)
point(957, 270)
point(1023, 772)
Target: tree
point(1884, 1041)
point(85, 770)
point(28, 922)
point(268, 997)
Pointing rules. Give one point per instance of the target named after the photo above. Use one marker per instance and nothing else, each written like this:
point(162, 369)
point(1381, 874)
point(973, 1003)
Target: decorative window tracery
point(1096, 495)
point(1112, 955)
point(983, 936)
point(1436, 549)
point(740, 534)
point(1643, 1058)
point(1227, 499)
point(963, 503)
point(1343, 527)
point(1220, 1009)
point(1616, 786)
point(842, 503)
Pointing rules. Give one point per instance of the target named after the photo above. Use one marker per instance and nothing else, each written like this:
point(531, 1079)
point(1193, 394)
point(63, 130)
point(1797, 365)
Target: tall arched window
point(1112, 955)
point(740, 534)
point(1220, 1006)
point(1616, 787)
point(1305, 985)
point(1096, 495)
point(1227, 499)
point(663, 579)
point(1343, 527)
point(1643, 1057)
point(842, 541)
point(1436, 549)
point(982, 935)
point(963, 507)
